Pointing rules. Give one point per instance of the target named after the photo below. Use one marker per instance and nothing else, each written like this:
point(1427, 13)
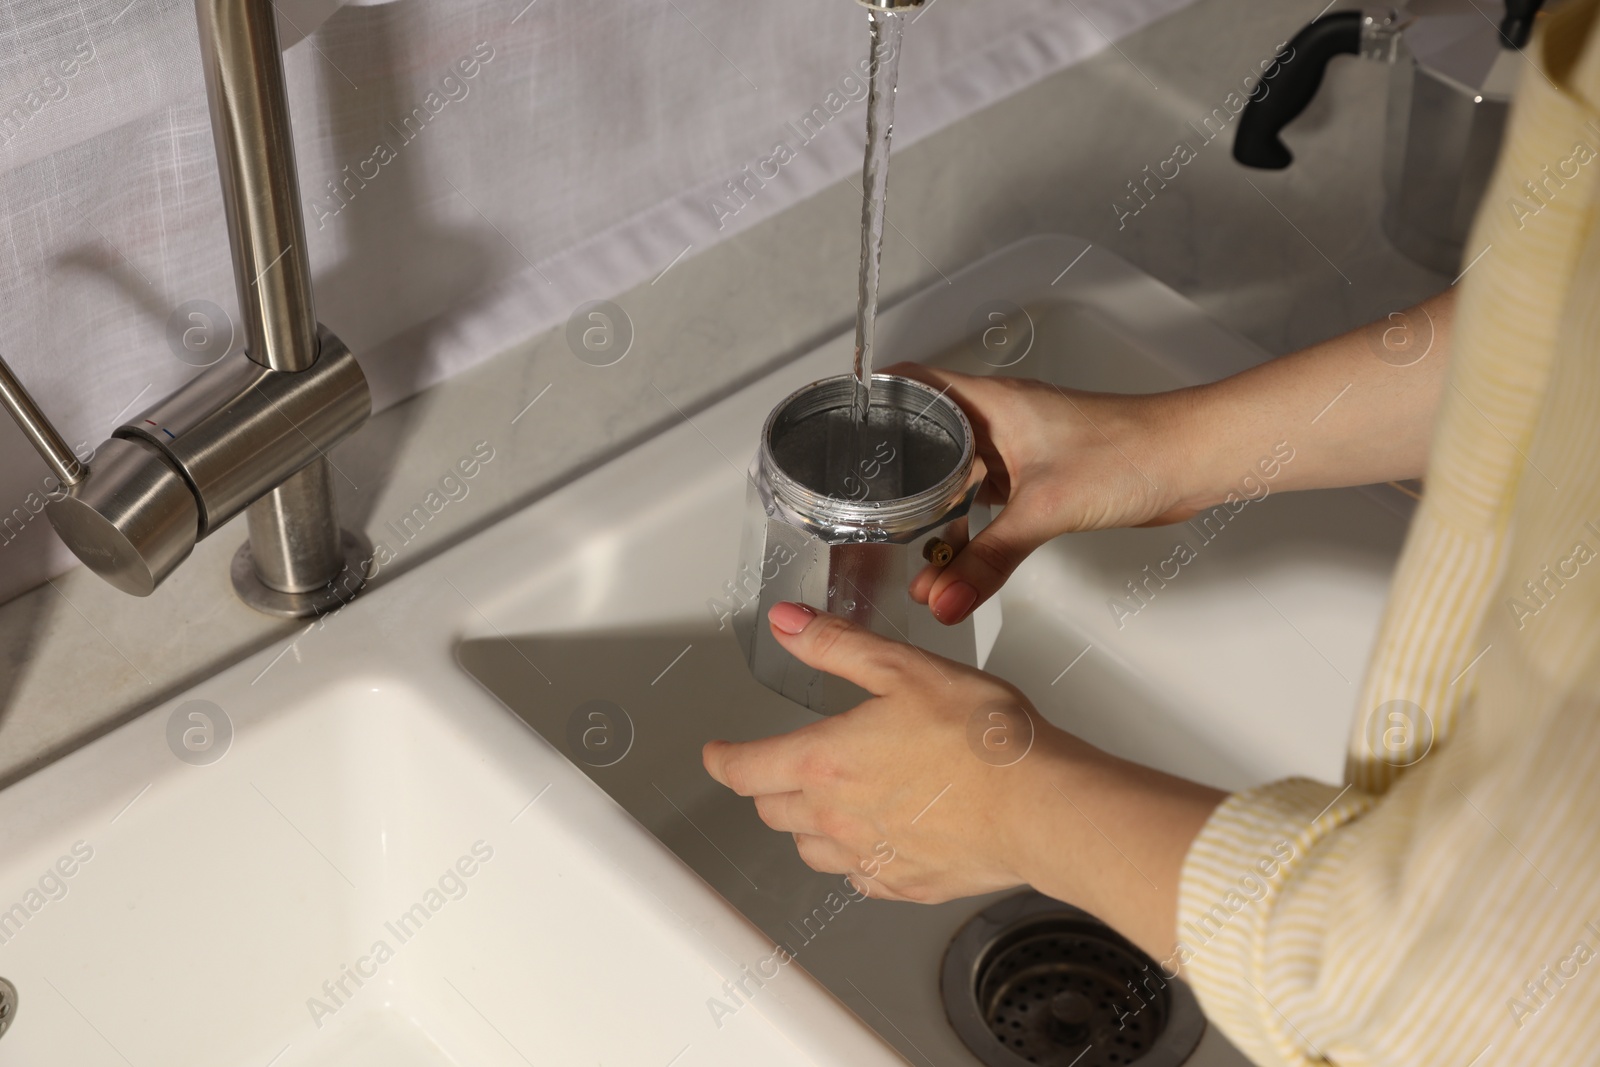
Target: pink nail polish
point(790, 617)
point(954, 603)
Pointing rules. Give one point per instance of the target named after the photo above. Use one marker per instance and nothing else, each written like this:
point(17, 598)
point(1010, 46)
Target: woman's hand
point(890, 792)
point(1353, 410)
point(1060, 460)
point(948, 783)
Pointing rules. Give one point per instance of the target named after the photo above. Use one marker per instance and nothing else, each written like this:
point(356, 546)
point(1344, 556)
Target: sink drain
point(1033, 980)
point(8, 1005)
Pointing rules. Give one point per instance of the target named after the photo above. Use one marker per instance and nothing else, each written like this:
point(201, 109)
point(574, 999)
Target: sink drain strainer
point(1031, 980)
point(8, 1005)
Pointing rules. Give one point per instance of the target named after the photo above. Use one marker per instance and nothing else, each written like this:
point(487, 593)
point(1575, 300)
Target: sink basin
point(384, 866)
point(1239, 670)
point(388, 871)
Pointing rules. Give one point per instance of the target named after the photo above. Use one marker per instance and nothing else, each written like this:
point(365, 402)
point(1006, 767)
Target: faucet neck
point(260, 187)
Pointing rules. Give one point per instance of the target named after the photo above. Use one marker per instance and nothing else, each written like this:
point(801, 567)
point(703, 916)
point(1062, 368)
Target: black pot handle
point(1517, 26)
point(1288, 85)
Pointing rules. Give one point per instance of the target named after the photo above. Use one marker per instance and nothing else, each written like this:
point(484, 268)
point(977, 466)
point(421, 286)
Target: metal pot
point(1453, 70)
point(844, 522)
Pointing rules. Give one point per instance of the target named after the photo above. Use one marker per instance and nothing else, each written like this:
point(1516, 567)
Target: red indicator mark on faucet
point(164, 430)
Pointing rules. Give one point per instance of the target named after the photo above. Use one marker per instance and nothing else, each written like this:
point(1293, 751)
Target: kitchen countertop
point(1285, 258)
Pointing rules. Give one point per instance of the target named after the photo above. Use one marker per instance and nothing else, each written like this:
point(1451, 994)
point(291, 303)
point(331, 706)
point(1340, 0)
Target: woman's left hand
point(890, 792)
point(947, 783)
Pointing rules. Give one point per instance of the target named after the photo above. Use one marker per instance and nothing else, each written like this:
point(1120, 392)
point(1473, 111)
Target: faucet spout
point(260, 186)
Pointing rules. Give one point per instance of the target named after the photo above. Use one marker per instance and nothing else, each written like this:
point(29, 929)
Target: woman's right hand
point(1060, 460)
point(1352, 410)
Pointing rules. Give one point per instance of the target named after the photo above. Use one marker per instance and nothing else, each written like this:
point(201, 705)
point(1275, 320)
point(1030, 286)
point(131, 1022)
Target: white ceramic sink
point(220, 905)
point(217, 901)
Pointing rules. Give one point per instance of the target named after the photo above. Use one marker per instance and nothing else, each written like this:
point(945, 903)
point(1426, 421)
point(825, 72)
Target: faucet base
point(342, 589)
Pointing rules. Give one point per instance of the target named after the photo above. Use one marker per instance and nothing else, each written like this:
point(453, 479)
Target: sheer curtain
point(471, 170)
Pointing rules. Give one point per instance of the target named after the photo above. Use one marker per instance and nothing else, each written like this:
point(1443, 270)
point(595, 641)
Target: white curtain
point(472, 171)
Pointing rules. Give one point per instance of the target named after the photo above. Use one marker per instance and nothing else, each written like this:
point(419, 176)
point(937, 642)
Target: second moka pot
point(843, 519)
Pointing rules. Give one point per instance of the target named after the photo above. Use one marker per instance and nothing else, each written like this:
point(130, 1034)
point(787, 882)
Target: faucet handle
point(131, 519)
point(38, 429)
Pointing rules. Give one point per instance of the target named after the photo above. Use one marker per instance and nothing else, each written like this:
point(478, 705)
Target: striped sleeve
point(1441, 909)
point(1453, 922)
point(1255, 844)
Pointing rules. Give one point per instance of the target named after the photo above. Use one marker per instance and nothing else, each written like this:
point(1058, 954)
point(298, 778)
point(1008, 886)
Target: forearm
point(1356, 409)
point(1108, 836)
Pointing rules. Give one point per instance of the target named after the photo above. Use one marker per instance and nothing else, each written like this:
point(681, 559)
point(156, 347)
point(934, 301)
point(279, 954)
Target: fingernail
point(954, 603)
point(791, 618)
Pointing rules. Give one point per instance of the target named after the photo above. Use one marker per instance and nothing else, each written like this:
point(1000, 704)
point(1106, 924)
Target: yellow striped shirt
point(1443, 907)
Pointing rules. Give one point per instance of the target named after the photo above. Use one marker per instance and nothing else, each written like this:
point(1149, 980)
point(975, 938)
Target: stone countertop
point(1286, 258)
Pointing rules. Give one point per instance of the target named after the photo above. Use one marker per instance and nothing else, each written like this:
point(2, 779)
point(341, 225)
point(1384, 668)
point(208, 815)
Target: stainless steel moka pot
point(1452, 74)
point(843, 520)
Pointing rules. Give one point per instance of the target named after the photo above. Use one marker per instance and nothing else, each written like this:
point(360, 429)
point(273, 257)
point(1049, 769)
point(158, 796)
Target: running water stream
point(887, 29)
point(863, 445)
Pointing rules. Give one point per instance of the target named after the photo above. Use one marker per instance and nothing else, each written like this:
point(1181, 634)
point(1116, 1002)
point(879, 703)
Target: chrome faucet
point(250, 433)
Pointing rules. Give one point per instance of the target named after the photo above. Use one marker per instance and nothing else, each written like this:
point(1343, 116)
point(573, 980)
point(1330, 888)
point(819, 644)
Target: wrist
point(1038, 849)
point(1216, 452)
point(1182, 450)
point(1106, 835)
